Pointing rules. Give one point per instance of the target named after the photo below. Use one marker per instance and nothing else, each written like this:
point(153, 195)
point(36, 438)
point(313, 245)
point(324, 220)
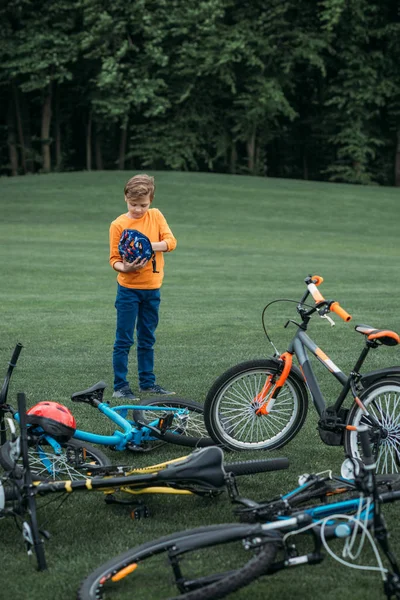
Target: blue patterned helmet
point(133, 245)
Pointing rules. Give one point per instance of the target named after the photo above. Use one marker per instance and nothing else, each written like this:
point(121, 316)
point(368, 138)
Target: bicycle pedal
point(135, 448)
point(164, 423)
point(140, 512)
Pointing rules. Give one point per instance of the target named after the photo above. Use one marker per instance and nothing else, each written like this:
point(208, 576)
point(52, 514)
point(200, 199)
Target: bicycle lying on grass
point(174, 420)
point(201, 473)
point(262, 404)
point(214, 561)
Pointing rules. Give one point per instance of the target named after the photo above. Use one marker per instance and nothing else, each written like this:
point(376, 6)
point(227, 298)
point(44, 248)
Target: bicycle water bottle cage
point(93, 395)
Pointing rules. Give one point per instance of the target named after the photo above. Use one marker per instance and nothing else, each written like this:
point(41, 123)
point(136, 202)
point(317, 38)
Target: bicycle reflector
point(55, 419)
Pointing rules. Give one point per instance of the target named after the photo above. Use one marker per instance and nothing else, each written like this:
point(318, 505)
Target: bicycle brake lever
point(331, 321)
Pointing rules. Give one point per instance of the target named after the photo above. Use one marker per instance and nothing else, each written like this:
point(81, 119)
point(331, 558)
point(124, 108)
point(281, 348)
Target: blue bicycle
point(58, 450)
point(177, 421)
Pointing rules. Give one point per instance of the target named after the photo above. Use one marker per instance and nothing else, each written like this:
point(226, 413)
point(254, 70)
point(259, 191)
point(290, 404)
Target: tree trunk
point(57, 129)
point(122, 145)
point(233, 158)
point(12, 138)
point(26, 126)
point(98, 152)
point(19, 127)
point(89, 143)
point(251, 147)
point(397, 162)
point(305, 166)
point(45, 133)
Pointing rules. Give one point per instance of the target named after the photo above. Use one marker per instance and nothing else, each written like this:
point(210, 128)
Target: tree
point(40, 53)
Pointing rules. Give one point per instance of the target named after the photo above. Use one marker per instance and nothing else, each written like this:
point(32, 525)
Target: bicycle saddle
point(204, 468)
point(384, 336)
point(93, 393)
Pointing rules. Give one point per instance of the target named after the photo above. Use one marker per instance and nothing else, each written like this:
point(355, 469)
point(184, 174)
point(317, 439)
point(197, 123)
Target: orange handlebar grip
point(317, 279)
point(316, 294)
point(336, 308)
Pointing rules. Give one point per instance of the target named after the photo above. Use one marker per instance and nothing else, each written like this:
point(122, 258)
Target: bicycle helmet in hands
point(133, 244)
point(55, 419)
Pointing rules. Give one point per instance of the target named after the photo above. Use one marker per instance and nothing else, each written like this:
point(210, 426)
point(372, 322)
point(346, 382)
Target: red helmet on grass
point(55, 419)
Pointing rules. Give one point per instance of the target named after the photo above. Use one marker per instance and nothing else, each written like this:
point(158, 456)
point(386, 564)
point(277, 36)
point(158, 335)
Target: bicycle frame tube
point(322, 512)
point(130, 432)
point(298, 346)
point(117, 439)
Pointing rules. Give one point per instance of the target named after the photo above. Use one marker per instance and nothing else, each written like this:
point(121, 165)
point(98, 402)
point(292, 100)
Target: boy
point(138, 293)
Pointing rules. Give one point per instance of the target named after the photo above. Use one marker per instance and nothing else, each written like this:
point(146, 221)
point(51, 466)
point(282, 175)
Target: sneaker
point(125, 393)
point(156, 389)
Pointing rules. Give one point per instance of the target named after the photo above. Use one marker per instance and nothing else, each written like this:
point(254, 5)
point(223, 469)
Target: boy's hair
point(139, 186)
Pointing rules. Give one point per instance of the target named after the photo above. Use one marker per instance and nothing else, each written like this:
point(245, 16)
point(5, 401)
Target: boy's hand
point(135, 265)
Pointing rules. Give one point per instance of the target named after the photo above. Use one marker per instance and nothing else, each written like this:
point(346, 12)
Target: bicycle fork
point(266, 407)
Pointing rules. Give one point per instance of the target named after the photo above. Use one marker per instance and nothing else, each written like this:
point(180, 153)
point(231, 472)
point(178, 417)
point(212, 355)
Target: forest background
point(300, 89)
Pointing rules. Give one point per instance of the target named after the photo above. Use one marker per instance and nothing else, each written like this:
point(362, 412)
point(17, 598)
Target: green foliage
point(284, 88)
point(40, 42)
point(359, 90)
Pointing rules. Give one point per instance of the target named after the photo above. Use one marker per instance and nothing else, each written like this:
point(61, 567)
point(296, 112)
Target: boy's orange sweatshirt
point(154, 225)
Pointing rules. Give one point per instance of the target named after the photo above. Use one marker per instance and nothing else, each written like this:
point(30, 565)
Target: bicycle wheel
point(74, 462)
point(187, 427)
point(230, 410)
point(197, 563)
point(382, 402)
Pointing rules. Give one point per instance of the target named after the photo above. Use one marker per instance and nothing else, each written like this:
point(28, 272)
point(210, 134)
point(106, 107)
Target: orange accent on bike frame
point(323, 357)
point(288, 359)
point(351, 427)
point(302, 372)
point(338, 491)
point(124, 572)
point(321, 354)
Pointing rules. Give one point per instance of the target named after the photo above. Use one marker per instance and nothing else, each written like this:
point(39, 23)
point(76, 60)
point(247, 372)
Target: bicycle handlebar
point(16, 353)
point(11, 365)
point(335, 307)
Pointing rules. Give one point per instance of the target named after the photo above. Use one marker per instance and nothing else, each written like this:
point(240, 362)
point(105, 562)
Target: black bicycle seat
point(93, 393)
point(203, 468)
point(383, 336)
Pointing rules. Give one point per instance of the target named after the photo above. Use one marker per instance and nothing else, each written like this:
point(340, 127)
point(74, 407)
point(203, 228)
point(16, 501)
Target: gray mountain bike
point(262, 404)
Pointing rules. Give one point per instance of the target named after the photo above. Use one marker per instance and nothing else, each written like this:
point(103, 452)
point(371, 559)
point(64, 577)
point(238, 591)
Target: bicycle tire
point(92, 587)
point(197, 436)
point(63, 465)
point(382, 398)
point(231, 419)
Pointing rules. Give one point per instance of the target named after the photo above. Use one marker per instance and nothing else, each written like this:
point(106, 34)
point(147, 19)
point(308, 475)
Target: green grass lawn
point(241, 243)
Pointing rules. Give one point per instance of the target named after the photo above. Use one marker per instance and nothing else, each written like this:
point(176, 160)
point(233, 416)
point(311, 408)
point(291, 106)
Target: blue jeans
point(140, 308)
